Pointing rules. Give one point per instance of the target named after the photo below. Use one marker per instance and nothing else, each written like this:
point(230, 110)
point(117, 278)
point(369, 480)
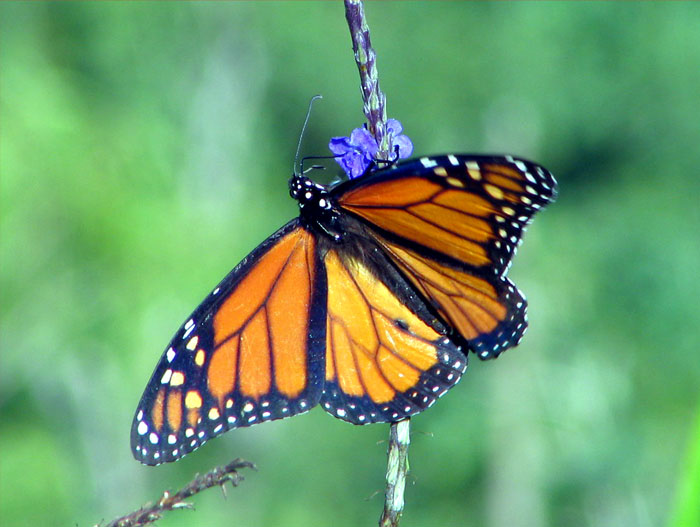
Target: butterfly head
point(316, 206)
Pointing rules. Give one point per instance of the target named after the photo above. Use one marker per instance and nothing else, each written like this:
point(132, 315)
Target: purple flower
point(398, 140)
point(354, 153)
point(357, 152)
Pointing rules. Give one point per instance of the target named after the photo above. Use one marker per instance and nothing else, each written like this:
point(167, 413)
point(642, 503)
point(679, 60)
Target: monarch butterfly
point(366, 303)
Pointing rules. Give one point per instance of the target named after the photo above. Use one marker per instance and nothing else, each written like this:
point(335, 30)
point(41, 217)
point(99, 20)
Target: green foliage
point(687, 511)
point(145, 149)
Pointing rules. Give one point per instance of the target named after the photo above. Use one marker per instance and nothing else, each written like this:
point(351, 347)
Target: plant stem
point(374, 101)
point(396, 470)
point(374, 107)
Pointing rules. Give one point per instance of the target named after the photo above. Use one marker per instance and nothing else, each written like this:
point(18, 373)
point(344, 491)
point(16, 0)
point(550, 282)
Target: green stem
point(374, 101)
point(396, 470)
point(374, 107)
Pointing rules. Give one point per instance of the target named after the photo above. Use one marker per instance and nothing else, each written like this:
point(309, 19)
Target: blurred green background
point(145, 149)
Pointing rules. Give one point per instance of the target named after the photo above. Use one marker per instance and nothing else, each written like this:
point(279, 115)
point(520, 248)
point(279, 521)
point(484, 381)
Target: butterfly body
point(366, 304)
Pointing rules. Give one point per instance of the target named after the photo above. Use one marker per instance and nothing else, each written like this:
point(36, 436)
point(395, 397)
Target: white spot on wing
point(142, 428)
point(165, 379)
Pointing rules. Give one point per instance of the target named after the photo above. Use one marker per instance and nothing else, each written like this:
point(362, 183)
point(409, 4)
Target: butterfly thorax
point(317, 208)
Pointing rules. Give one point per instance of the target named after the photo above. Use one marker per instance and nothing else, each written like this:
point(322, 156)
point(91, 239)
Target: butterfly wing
point(252, 351)
point(452, 224)
point(387, 357)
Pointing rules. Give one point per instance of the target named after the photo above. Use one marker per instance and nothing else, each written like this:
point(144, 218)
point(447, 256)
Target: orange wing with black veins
point(452, 224)
point(383, 362)
point(252, 352)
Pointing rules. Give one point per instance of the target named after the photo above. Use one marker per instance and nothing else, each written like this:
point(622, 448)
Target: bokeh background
point(145, 149)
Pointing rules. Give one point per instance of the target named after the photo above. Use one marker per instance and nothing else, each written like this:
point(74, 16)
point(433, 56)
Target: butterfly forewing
point(253, 351)
point(452, 225)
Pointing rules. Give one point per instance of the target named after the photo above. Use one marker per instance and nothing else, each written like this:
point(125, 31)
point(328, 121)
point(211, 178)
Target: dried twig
point(217, 477)
point(375, 110)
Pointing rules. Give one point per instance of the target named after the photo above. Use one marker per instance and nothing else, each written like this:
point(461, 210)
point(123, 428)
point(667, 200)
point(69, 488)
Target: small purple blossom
point(354, 153)
point(357, 152)
point(398, 140)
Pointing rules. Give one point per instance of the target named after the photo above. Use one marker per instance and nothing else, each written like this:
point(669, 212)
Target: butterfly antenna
point(303, 129)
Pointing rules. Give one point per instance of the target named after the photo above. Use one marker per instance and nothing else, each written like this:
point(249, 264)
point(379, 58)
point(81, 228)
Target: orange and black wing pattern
point(253, 351)
point(367, 303)
point(452, 224)
point(387, 358)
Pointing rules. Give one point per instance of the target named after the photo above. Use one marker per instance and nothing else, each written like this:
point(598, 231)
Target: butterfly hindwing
point(384, 362)
point(489, 313)
point(252, 351)
point(452, 224)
